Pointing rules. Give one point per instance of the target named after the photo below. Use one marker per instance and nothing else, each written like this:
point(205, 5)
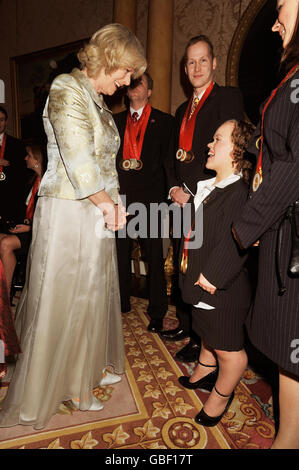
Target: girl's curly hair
point(240, 137)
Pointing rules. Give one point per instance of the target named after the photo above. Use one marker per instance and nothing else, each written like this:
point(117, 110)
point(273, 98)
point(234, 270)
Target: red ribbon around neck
point(188, 125)
point(134, 134)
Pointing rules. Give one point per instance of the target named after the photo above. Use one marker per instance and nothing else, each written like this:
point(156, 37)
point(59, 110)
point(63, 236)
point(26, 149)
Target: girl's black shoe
point(209, 421)
point(206, 383)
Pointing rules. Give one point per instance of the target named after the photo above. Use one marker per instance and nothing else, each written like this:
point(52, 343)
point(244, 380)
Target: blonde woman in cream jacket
point(69, 317)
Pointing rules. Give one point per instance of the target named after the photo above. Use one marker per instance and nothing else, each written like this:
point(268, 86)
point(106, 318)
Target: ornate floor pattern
point(149, 409)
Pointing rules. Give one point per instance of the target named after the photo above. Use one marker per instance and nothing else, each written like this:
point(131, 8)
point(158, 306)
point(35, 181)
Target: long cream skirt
point(68, 318)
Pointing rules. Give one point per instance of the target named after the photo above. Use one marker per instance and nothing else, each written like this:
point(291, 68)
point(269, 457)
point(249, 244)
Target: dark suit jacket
point(219, 258)
point(14, 189)
point(222, 104)
point(275, 319)
point(148, 184)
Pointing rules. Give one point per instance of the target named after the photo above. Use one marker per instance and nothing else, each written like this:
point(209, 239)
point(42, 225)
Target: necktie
point(135, 117)
point(193, 107)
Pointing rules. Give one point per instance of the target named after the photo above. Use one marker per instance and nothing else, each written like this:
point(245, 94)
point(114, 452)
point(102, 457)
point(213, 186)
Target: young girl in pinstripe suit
point(214, 280)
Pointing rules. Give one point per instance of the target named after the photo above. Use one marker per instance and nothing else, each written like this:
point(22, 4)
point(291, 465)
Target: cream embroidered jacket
point(82, 141)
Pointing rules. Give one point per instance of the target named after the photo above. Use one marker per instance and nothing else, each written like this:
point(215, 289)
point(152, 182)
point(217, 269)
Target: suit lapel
point(219, 192)
point(8, 154)
point(149, 132)
point(207, 103)
point(212, 197)
point(98, 99)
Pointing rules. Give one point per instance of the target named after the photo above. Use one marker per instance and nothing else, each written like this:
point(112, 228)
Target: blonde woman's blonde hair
point(113, 47)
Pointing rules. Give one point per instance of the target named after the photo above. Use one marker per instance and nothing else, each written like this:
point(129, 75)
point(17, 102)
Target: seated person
point(14, 176)
point(213, 278)
point(19, 237)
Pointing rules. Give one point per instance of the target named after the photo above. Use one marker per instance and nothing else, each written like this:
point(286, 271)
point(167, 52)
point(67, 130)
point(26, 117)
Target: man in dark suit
point(13, 175)
point(145, 134)
point(195, 123)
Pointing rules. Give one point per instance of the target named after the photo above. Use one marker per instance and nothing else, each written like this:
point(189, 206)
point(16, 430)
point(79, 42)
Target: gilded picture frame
point(31, 76)
point(241, 32)
point(253, 63)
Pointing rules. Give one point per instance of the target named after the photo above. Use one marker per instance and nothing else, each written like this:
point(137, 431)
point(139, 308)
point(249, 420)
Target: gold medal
point(139, 165)
point(256, 181)
point(2, 176)
point(125, 165)
point(189, 156)
point(180, 155)
point(133, 163)
point(185, 156)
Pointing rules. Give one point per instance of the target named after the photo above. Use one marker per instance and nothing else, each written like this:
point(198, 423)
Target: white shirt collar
point(232, 178)
point(198, 96)
point(205, 187)
point(222, 184)
point(138, 111)
point(1, 138)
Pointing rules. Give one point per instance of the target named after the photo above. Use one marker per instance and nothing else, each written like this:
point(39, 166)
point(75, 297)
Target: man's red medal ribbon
point(134, 134)
point(188, 125)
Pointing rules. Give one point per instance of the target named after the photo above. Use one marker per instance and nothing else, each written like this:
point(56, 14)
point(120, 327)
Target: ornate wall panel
point(33, 25)
point(43, 24)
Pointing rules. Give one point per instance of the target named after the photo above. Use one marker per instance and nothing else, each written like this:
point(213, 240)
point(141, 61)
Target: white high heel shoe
point(109, 378)
point(96, 405)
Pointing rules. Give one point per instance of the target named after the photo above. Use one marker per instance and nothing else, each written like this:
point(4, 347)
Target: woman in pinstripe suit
point(274, 323)
point(219, 314)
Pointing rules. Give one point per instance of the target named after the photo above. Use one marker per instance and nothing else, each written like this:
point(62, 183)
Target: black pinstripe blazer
point(275, 319)
point(222, 104)
point(219, 259)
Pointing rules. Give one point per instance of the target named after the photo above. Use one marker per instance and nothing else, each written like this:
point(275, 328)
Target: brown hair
point(113, 47)
point(38, 154)
point(195, 40)
point(240, 137)
point(290, 55)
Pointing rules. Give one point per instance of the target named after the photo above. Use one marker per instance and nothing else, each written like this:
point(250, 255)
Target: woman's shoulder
point(233, 199)
point(236, 193)
point(289, 93)
point(64, 79)
point(66, 86)
point(239, 187)
point(239, 192)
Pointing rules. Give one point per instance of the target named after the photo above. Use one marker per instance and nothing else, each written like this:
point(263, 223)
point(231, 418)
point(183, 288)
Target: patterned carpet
point(149, 409)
